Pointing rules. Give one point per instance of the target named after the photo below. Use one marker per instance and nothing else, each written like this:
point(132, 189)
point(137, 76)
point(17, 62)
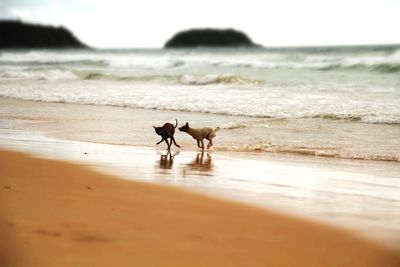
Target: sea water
point(323, 101)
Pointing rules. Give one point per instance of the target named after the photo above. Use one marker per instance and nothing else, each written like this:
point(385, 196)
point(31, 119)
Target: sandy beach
point(60, 214)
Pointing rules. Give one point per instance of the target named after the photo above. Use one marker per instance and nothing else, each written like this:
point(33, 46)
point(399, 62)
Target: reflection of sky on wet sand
point(201, 165)
point(360, 195)
point(166, 160)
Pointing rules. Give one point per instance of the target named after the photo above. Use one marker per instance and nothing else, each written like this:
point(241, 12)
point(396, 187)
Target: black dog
point(167, 131)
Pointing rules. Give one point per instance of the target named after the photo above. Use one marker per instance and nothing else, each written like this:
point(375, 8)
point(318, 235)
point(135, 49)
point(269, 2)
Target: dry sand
point(59, 214)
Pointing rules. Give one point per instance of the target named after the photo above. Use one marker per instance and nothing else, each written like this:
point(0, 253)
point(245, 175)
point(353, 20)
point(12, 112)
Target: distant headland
point(209, 38)
point(16, 34)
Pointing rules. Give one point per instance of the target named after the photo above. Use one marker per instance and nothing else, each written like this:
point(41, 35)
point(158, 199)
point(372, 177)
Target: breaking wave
point(37, 74)
point(379, 67)
point(309, 151)
point(331, 116)
point(55, 63)
point(53, 74)
point(381, 61)
point(184, 79)
point(215, 79)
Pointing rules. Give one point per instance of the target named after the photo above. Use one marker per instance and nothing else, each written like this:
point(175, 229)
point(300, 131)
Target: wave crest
point(51, 75)
point(331, 116)
point(215, 79)
point(380, 67)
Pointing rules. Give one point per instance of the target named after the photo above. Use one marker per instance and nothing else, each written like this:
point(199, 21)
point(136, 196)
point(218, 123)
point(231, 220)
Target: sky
point(150, 23)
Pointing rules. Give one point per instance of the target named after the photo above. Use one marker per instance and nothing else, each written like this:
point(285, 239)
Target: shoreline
point(58, 213)
point(118, 125)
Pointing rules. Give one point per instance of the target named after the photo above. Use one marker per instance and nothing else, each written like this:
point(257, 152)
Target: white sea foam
point(311, 151)
point(254, 101)
point(226, 78)
point(90, 58)
point(254, 59)
point(18, 72)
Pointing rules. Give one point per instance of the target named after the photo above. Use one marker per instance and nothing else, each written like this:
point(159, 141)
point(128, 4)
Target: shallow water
point(116, 125)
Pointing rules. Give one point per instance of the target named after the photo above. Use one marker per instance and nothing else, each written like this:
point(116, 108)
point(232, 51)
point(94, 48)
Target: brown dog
point(167, 131)
point(199, 134)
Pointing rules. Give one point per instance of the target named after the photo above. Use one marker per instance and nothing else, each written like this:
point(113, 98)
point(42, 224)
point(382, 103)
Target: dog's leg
point(210, 143)
point(198, 143)
point(168, 144)
point(173, 140)
point(162, 139)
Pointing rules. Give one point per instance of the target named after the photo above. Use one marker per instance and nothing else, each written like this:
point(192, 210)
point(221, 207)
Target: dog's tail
point(176, 123)
point(216, 129)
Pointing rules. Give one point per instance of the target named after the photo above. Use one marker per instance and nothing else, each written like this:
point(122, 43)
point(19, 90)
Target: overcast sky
point(149, 23)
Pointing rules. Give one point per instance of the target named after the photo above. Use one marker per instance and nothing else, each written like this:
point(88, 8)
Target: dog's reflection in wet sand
point(167, 160)
point(200, 165)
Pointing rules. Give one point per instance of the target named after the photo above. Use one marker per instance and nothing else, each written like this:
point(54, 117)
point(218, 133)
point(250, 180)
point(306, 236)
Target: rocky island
point(209, 38)
point(16, 34)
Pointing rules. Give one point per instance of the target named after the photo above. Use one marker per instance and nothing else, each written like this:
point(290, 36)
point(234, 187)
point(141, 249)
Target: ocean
point(339, 102)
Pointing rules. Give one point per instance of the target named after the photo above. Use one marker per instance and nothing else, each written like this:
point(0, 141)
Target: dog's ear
point(187, 124)
point(154, 127)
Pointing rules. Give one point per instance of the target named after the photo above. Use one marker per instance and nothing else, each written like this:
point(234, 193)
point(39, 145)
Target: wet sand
point(60, 214)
